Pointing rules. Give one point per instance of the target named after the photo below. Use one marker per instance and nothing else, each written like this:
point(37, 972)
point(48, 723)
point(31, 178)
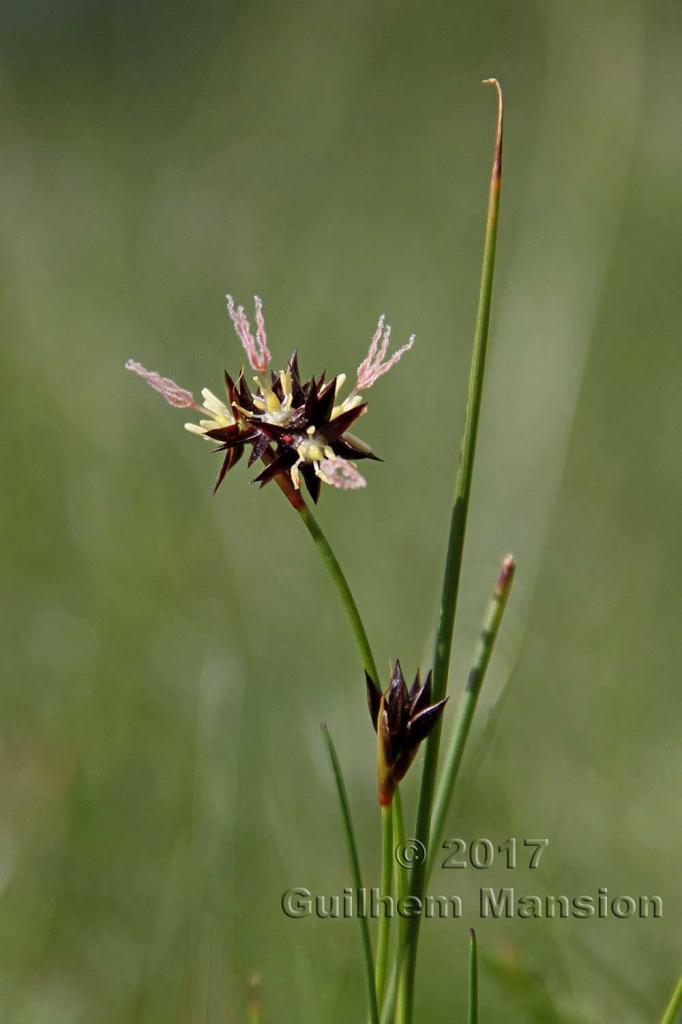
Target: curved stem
point(362, 641)
point(347, 599)
point(453, 563)
point(335, 571)
point(295, 499)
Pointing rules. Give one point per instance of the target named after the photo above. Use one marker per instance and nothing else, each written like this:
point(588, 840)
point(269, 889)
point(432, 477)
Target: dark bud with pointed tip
point(402, 718)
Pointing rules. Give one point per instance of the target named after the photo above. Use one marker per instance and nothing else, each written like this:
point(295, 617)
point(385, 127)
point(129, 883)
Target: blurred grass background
point(166, 658)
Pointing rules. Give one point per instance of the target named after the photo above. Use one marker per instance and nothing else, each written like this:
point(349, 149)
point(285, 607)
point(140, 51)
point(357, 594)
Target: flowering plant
point(300, 430)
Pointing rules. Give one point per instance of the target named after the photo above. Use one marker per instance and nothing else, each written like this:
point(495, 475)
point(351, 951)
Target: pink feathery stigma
point(256, 348)
point(342, 474)
point(375, 363)
point(172, 392)
point(261, 339)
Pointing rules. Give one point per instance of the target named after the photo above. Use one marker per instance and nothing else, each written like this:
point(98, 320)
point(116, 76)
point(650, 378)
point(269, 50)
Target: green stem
point(389, 1007)
point(386, 889)
point(367, 658)
point(472, 1007)
point(311, 524)
point(401, 888)
point(401, 885)
point(347, 599)
point(674, 1006)
point(453, 564)
point(356, 873)
point(467, 707)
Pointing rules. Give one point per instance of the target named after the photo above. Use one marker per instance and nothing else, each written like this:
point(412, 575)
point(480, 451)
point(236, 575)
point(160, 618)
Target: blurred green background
point(167, 657)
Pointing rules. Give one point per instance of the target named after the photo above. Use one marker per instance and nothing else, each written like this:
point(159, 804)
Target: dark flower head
point(299, 428)
point(402, 718)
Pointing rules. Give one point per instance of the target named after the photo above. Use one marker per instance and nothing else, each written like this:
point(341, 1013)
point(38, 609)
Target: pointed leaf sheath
point(402, 718)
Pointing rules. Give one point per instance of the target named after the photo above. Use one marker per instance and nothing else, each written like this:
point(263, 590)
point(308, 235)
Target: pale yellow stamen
point(272, 402)
point(215, 406)
point(351, 402)
point(285, 381)
point(268, 400)
point(221, 415)
point(311, 450)
point(194, 428)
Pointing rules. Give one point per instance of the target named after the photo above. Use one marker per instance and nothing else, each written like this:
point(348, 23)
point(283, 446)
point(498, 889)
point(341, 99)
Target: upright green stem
point(673, 1008)
point(472, 1006)
point(453, 563)
point(386, 889)
point(401, 890)
point(356, 873)
point(402, 887)
point(467, 707)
